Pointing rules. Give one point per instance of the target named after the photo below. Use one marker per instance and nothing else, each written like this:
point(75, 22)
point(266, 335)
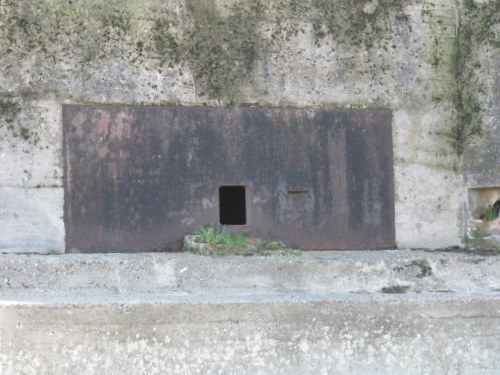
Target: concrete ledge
point(312, 272)
point(319, 313)
point(346, 336)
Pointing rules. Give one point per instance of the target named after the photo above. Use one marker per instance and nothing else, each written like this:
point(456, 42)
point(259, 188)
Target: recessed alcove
point(482, 200)
point(484, 208)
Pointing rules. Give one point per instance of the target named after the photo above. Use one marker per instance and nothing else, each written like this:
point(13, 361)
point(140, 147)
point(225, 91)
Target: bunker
point(138, 178)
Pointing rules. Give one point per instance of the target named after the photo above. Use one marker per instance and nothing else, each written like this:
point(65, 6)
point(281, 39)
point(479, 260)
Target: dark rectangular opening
point(232, 205)
point(297, 192)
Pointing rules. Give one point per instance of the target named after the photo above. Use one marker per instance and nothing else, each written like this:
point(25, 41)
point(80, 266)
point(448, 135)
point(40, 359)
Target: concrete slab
point(357, 335)
point(319, 313)
point(311, 272)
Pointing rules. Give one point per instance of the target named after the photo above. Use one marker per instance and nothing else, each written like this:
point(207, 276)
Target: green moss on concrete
point(117, 22)
point(9, 110)
point(222, 45)
point(165, 43)
point(222, 42)
point(77, 30)
point(476, 29)
point(219, 42)
point(468, 122)
point(483, 20)
point(220, 49)
point(356, 23)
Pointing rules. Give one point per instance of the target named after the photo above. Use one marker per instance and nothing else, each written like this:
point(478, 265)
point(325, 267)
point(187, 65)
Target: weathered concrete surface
point(482, 159)
point(320, 313)
point(38, 162)
point(358, 272)
point(288, 336)
point(433, 63)
point(31, 220)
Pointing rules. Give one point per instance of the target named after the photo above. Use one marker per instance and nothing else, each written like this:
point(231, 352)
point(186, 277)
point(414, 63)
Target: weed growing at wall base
point(218, 235)
point(216, 240)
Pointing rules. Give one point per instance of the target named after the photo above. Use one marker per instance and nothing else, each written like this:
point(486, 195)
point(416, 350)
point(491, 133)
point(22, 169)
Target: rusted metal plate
point(140, 177)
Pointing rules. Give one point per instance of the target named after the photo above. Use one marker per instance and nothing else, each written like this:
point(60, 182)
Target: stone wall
point(435, 64)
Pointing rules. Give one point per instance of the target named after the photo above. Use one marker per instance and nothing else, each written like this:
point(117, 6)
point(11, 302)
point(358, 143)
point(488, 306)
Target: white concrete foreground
point(318, 313)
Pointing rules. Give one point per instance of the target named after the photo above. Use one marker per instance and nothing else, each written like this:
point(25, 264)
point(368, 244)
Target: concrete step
point(318, 313)
point(368, 334)
point(312, 272)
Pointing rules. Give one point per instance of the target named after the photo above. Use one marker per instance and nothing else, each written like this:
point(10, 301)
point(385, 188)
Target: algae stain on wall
point(357, 23)
point(16, 126)
point(479, 35)
point(221, 43)
point(456, 62)
point(222, 46)
point(219, 46)
point(219, 49)
point(9, 111)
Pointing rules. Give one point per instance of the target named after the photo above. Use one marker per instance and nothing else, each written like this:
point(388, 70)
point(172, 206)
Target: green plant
point(218, 235)
point(218, 241)
point(490, 213)
point(479, 232)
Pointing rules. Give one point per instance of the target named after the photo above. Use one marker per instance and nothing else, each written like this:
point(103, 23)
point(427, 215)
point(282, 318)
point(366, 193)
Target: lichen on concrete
point(476, 29)
point(219, 49)
point(9, 109)
point(13, 124)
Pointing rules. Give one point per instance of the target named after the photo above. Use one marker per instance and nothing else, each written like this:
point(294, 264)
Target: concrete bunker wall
point(434, 64)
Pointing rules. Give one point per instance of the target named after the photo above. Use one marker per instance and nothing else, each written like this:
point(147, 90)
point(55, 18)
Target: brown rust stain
point(140, 177)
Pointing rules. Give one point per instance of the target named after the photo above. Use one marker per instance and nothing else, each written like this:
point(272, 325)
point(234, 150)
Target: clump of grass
point(218, 235)
point(219, 242)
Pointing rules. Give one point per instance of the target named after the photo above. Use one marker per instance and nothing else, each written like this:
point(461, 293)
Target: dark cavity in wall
point(138, 178)
point(232, 205)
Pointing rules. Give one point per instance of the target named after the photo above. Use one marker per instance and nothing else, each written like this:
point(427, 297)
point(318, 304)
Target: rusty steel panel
point(137, 178)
